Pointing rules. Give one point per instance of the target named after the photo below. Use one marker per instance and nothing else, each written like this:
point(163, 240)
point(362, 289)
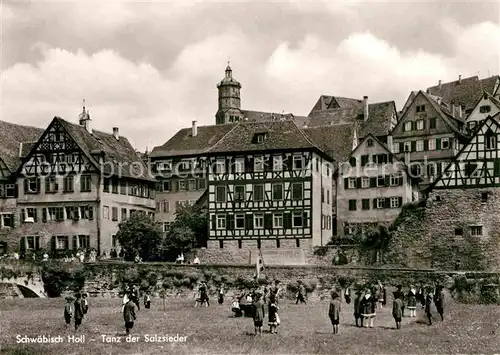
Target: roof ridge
point(224, 136)
point(307, 138)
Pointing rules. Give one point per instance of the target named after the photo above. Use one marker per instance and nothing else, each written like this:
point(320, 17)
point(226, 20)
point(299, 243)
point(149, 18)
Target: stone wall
point(440, 235)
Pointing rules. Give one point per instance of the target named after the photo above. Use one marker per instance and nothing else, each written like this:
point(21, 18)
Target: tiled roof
point(445, 113)
point(281, 135)
point(183, 143)
point(345, 102)
point(11, 137)
point(120, 158)
point(259, 116)
point(465, 92)
point(378, 123)
point(335, 140)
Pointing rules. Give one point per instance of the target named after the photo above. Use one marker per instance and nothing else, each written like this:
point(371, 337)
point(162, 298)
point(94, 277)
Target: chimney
point(440, 84)
point(365, 107)
point(460, 111)
point(115, 133)
point(459, 79)
point(194, 131)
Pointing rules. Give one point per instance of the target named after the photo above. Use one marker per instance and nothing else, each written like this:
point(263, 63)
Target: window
point(32, 185)
point(184, 165)
point(31, 212)
point(407, 146)
point(221, 222)
point(352, 183)
point(365, 182)
point(105, 212)
point(260, 137)
point(72, 213)
point(445, 143)
point(239, 165)
point(220, 166)
point(485, 109)
point(123, 187)
point(420, 108)
point(221, 244)
point(56, 213)
point(476, 230)
point(87, 212)
point(277, 191)
point(327, 196)
point(407, 126)
point(85, 183)
point(10, 190)
point(220, 194)
point(51, 185)
point(258, 192)
point(181, 185)
point(432, 144)
point(258, 163)
point(491, 141)
point(239, 220)
point(114, 213)
point(297, 220)
point(202, 184)
point(395, 148)
point(114, 186)
point(459, 231)
point(380, 181)
point(394, 180)
point(258, 243)
point(277, 243)
point(7, 220)
point(33, 243)
point(192, 184)
point(124, 212)
point(277, 163)
point(297, 191)
point(278, 220)
point(352, 161)
point(298, 162)
point(84, 241)
point(239, 193)
point(166, 186)
point(420, 125)
point(317, 164)
point(380, 202)
point(484, 197)
point(420, 145)
point(369, 142)
point(432, 122)
point(322, 194)
point(62, 242)
point(365, 204)
point(105, 185)
point(395, 202)
point(258, 221)
point(297, 243)
point(352, 205)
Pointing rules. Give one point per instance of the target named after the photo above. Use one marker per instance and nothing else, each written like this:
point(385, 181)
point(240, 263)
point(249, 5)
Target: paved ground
point(305, 329)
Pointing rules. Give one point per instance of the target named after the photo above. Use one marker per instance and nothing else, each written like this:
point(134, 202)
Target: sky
point(151, 68)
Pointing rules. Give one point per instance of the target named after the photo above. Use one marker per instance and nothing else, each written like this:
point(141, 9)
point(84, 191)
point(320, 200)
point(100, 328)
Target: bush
point(131, 275)
point(57, 280)
point(193, 276)
point(321, 251)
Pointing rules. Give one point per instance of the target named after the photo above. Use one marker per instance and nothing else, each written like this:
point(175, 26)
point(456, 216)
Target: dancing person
point(401, 296)
point(397, 310)
point(334, 312)
point(129, 315)
point(259, 313)
point(428, 305)
point(68, 311)
point(79, 311)
point(412, 302)
point(369, 306)
point(301, 294)
point(358, 310)
point(273, 315)
point(85, 303)
point(439, 301)
point(221, 294)
point(147, 300)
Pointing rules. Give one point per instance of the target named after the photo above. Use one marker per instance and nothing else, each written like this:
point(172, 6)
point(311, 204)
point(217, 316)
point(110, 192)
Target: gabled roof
point(487, 123)
point(335, 140)
point(183, 143)
point(119, 157)
point(281, 135)
point(492, 99)
point(11, 137)
point(384, 147)
point(378, 122)
point(464, 92)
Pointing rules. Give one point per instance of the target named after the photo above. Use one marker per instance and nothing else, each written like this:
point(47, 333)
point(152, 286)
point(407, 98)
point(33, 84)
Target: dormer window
point(485, 109)
point(369, 142)
point(260, 137)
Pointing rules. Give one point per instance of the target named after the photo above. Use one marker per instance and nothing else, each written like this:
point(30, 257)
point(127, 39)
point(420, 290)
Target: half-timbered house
point(76, 184)
point(428, 136)
point(264, 188)
point(11, 135)
point(372, 186)
point(485, 107)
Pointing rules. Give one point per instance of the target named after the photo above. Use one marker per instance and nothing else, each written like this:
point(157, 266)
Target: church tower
point(229, 99)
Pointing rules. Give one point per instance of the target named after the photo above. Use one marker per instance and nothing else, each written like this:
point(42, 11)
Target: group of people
point(75, 309)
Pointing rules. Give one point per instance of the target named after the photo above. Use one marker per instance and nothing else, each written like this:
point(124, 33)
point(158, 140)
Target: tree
point(378, 241)
point(189, 230)
point(140, 235)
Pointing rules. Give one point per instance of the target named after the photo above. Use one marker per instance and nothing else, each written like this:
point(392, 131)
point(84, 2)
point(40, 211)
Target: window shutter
point(374, 203)
point(387, 181)
point(37, 185)
point(438, 143)
point(66, 243)
point(400, 181)
point(413, 146)
point(305, 220)
point(44, 214)
point(400, 201)
point(22, 245)
point(358, 182)
point(213, 222)
point(268, 221)
point(249, 221)
point(53, 243)
point(37, 243)
point(16, 190)
point(25, 185)
point(390, 158)
point(287, 220)
point(75, 245)
point(426, 144)
point(373, 182)
point(346, 183)
point(21, 216)
point(401, 147)
point(230, 221)
point(413, 125)
point(374, 158)
point(387, 202)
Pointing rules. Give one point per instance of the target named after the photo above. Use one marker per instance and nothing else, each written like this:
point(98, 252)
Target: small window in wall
point(369, 142)
point(240, 244)
point(459, 231)
point(277, 243)
point(297, 243)
point(484, 197)
point(258, 243)
point(476, 230)
point(221, 244)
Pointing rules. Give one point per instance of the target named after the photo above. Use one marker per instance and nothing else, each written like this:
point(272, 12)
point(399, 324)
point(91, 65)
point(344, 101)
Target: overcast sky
point(152, 67)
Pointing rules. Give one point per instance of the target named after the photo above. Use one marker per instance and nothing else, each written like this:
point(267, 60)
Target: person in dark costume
point(204, 294)
point(129, 315)
point(221, 294)
point(439, 301)
point(68, 311)
point(259, 313)
point(412, 302)
point(273, 315)
point(334, 312)
point(397, 310)
point(147, 301)
point(347, 296)
point(369, 306)
point(301, 294)
point(79, 312)
point(358, 309)
point(401, 296)
point(428, 305)
point(85, 303)
point(135, 296)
